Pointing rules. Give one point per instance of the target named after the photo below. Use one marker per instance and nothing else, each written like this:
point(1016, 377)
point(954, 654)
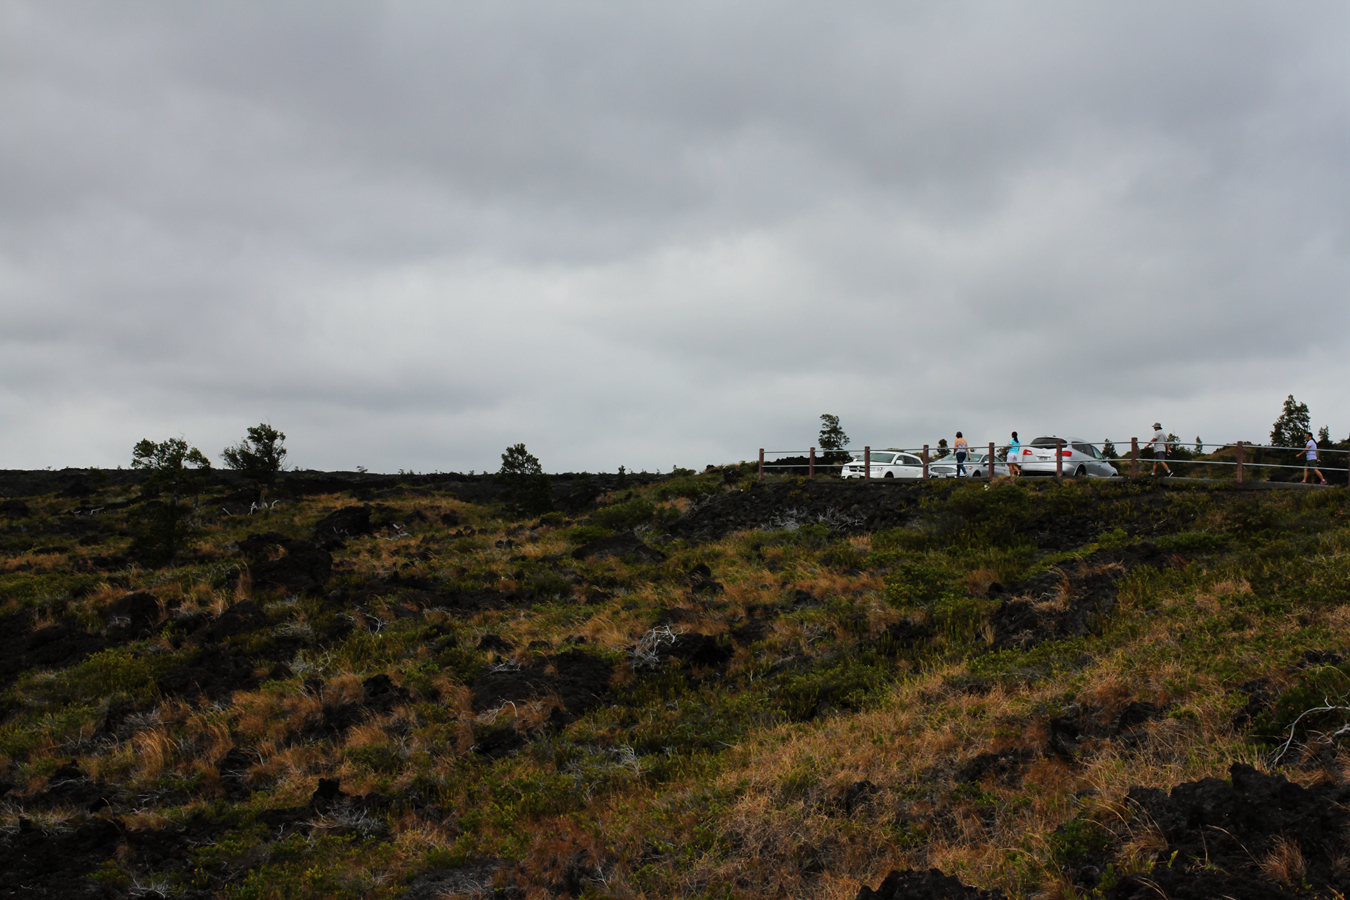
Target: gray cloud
point(656, 234)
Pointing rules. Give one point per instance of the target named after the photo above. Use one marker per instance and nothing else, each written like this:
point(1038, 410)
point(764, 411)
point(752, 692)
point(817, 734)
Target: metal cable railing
point(1248, 461)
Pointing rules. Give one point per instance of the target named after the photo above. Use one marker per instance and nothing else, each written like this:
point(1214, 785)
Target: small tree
point(162, 528)
point(1294, 422)
point(1289, 430)
point(260, 456)
point(1176, 449)
point(1109, 450)
point(525, 486)
point(941, 448)
point(832, 439)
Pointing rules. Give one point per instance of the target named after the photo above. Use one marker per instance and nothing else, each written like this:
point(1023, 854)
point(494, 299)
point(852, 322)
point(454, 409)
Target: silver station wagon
point(1080, 458)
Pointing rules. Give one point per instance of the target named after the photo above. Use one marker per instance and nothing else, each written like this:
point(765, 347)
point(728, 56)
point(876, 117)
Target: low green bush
point(625, 516)
point(921, 583)
point(1193, 542)
point(584, 534)
point(690, 488)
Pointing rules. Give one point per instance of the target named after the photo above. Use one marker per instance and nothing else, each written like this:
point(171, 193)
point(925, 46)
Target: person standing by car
point(1310, 451)
point(962, 449)
point(1159, 444)
point(1014, 454)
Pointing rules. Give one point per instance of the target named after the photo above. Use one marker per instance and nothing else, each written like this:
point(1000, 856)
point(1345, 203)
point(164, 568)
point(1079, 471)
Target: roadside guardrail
point(1249, 461)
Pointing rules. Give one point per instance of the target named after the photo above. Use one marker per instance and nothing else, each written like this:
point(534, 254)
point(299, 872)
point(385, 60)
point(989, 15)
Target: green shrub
point(375, 757)
point(690, 488)
point(117, 670)
point(921, 584)
point(1075, 839)
point(899, 540)
point(843, 555)
point(849, 684)
point(584, 534)
point(548, 585)
point(1193, 542)
point(985, 515)
point(625, 516)
point(1302, 710)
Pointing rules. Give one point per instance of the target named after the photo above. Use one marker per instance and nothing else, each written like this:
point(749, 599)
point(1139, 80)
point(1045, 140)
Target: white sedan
point(1080, 458)
point(885, 464)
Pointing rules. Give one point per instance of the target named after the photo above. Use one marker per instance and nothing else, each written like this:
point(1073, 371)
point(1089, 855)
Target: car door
point(1097, 466)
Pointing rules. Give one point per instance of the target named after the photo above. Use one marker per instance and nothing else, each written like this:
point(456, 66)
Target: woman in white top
point(1310, 457)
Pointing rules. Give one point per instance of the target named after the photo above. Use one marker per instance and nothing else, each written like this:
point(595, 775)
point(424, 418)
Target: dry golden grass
point(1283, 863)
point(291, 773)
point(265, 718)
point(343, 688)
point(156, 751)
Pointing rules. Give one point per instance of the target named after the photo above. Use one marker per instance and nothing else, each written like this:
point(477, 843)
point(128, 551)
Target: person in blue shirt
point(1014, 454)
point(1310, 452)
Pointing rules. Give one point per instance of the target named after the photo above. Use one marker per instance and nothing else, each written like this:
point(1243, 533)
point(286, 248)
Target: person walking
point(1159, 444)
point(1014, 454)
point(1310, 457)
point(962, 450)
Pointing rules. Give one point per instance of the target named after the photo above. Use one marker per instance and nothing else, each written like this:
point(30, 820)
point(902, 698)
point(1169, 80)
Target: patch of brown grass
point(1283, 863)
point(156, 751)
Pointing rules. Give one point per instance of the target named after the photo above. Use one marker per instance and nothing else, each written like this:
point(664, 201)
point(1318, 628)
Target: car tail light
point(1026, 452)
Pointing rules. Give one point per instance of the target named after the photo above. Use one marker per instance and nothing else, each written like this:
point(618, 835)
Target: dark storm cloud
point(660, 233)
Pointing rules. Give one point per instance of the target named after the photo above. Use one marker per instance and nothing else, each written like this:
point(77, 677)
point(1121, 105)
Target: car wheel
point(890, 475)
point(1080, 471)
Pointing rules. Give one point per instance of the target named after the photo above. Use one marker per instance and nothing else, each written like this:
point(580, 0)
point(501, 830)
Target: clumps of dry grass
point(156, 751)
point(1283, 862)
point(1214, 599)
point(268, 719)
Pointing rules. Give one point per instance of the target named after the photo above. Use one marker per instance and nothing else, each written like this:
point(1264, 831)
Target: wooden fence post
point(1134, 457)
point(925, 462)
point(867, 463)
point(1059, 459)
point(811, 466)
point(1239, 462)
point(761, 464)
point(989, 473)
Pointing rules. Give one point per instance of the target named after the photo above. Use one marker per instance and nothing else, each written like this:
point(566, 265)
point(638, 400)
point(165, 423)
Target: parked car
point(1080, 458)
point(885, 464)
point(975, 465)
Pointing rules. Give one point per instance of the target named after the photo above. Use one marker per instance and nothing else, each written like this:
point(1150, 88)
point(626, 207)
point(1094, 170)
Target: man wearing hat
point(1159, 444)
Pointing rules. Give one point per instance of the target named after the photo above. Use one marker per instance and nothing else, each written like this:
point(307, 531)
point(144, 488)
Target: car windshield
point(884, 459)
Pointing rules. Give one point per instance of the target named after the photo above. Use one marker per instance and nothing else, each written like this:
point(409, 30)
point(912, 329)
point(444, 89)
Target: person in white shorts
point(1159, 444)
point(1014, 454)
point(1310, 457)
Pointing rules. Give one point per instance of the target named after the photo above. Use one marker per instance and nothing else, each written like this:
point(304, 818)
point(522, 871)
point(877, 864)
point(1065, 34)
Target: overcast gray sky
point(652, 234)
